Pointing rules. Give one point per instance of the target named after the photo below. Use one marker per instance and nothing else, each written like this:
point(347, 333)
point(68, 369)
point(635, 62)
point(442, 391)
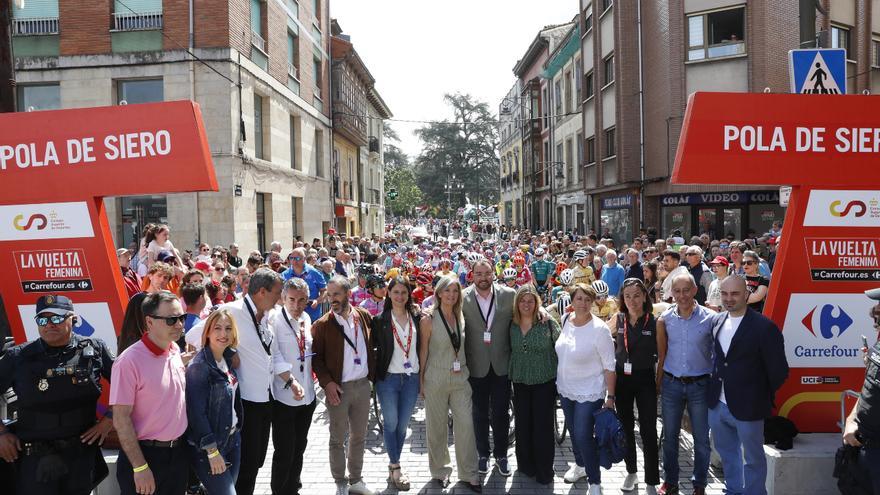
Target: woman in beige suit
point(444, 385)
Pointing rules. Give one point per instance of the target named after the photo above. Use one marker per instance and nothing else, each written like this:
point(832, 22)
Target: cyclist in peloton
point(541, 270)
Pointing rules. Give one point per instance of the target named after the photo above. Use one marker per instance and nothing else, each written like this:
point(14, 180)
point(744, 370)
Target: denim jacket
point(209, 402)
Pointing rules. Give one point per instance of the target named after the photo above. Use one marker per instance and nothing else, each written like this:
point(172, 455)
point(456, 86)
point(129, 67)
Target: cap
point(873, 294)
point(121, 251)
point(55, 304)
point(203, 266)
point(720, 260)
point(165, 255)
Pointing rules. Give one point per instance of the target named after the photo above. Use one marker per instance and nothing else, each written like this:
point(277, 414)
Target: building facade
point(261, 84)
point(510, 150)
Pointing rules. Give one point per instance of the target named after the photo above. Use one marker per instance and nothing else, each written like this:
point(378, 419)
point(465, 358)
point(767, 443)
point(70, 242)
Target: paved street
point(317, 480)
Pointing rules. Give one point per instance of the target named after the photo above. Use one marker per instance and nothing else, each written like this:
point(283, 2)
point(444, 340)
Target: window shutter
point(36, 8)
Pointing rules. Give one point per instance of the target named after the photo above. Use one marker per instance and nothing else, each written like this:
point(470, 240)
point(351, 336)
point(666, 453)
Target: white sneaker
point(361, 488)
point(650, 490)
point(629, 484)
point(341, 489)
point(596, 489)
point(574, 473)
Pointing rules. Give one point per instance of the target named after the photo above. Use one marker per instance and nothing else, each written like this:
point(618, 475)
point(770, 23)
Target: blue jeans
point(579, 416)
point(397, 395)
point(735, 439)
point(221, 484)
point(677, 396)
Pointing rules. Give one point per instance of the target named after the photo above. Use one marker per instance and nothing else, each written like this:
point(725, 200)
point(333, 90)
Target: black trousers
point(290, 431)
point(169, 465)
point(254, 443)
point(535, 409)
point(641, 389)
point(491, 391)
point(79, 467)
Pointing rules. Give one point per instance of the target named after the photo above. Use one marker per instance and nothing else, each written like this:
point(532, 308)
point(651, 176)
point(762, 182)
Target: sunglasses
point(42, 321)
point(750, 262)
point(170, 320)
point(205, 250)
point(295, 258)
point(218, 269)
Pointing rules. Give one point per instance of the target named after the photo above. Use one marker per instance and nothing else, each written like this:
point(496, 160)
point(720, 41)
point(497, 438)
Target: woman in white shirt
point(395, 340)
point(584, 374)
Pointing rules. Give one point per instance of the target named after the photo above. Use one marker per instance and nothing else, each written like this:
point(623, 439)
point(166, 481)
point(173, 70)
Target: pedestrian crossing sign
point(818, 71)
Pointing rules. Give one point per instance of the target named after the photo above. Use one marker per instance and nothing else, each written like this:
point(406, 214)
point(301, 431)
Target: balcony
point(292, 71)
point(35, 26)
point(132, 21)
point(349, 107)
point(374, 144)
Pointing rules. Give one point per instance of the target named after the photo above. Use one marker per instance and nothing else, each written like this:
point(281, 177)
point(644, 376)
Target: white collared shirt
point(585, 354)
point(255, 370)
point(725, 337)
point(398, 358)
point(484, 305)
point(350, 370)
point(286, 355)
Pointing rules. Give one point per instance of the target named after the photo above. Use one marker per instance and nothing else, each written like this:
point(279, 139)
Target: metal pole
point(7, 71)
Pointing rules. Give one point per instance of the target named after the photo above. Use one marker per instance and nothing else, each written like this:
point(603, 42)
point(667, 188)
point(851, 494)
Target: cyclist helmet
point(474, 257)
point(560, 266)
point(505, 256)
point(566, 277)
point(508, 274)
point(519, 259)
point(580, 254)
point(539, 252)
point(425, 278)
point(563, 301)
point(366, 269)
point(392, 250)
point(375, 281)
point(601, 288)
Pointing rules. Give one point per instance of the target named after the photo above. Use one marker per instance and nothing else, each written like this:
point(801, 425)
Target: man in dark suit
point(749, 367)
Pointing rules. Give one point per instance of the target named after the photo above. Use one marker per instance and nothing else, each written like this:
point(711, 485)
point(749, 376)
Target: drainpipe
point(192, 97)
point(641, 121)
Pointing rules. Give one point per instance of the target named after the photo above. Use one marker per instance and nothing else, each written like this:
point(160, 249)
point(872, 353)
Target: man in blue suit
point(749, 367)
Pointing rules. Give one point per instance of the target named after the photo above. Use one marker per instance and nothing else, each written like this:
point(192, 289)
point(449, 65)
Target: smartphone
point(864, 342)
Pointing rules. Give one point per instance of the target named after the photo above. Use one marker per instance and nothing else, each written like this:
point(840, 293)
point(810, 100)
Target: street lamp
point(452, 186)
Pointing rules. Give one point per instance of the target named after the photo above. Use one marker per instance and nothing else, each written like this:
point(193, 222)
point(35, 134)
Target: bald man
point(749, 367)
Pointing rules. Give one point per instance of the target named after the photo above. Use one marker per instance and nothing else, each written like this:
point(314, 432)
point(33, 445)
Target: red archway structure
point(827, 148)
point(55, 169)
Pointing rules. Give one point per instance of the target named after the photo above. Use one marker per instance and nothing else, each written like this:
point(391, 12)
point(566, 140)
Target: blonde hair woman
point(213, 406)
point(444, 385)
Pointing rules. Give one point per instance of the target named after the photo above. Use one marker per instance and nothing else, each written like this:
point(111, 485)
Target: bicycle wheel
point(377, 412)
point(511, 439)
point(561, 427)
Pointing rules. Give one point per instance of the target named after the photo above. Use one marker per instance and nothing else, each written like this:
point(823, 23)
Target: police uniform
point(58, 390)
point(868, 418)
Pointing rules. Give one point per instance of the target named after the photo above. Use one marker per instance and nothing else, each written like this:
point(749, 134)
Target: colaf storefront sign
point(827, 148)
point(55, 169)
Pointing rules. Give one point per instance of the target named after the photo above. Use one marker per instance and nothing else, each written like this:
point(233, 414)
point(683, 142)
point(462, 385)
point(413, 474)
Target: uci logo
point(828, 321)
point(859, 206)
point(36, 218)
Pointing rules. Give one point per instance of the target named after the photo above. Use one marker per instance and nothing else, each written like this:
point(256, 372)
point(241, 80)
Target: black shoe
point(443, 482)
point(483, 465)
point(503, 467)
point(476, 488)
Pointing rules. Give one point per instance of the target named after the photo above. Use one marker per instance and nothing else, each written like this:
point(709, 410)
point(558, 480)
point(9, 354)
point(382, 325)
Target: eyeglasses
point(692, 254)
point(170, 320)
point(295, 258)
point(205, 250)
point(750, 262)
point(42, 321)
point(219, 269)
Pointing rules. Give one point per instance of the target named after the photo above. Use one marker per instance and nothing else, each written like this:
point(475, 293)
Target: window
point(580, 157)
point(606, 4)
point(591, 150)
point(39, 97)
point(294, 134)
point(316, 6)
point(875, 53)
point(35, 18)
point(610, 149)
point(139, 91)
point(578, 75)
point(545, 104)
point(608, 71)
point(840, 38)
point(319, 75)
point(588, 19)
point(716, 34)
point(557, 98)
point(261, 221)
point(293, 55)
point(318, 153)
point(559, 165)
point(295, 209)
point(588, 85)
point(568, 93)
point(570, 169)
point(257, 38)
point(258, 126)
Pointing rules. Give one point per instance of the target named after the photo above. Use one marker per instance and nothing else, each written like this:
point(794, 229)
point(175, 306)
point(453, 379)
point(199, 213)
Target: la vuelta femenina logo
point(858, 208)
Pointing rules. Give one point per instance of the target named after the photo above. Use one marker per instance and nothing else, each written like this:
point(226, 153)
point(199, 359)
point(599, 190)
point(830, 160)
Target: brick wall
point(276, 41)
point(175, 22)
point(626, 56)
point(212, 21)
point(772, 30)
point(240, 25)
point(84, 26)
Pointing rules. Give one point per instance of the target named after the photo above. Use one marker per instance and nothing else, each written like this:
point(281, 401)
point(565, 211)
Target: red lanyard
point(356, 335)
point(301, 341)
point(626, 331)
point(408, 340)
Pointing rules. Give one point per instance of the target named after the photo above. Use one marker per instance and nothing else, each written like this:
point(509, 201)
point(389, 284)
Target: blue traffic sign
point(819, 71)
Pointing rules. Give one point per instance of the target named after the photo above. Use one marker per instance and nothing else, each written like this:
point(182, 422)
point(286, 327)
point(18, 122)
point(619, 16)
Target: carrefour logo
point(859, 206)
point(831, 317)
point(37, 218)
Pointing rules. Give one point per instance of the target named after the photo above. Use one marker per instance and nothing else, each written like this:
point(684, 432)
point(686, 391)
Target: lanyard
point(258, 328)
point(408, 339)
point(300, 338)
point(488, 314)
point(626, 332)
point(356, 334)
point(455, 338)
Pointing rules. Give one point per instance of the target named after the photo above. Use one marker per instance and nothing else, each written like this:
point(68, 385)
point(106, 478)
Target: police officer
point(863, 424)
point(55, 441)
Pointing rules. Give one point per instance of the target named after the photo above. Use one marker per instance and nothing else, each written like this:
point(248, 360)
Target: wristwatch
point(611, 397)
point(288, 383)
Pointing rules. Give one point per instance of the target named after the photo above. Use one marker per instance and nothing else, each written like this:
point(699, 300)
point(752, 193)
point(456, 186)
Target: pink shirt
point(153, 383)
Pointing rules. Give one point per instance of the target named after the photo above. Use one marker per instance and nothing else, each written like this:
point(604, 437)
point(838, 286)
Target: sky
point(418, 50)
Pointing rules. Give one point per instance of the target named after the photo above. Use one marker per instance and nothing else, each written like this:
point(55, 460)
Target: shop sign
point(744, 197)
point(617, 202)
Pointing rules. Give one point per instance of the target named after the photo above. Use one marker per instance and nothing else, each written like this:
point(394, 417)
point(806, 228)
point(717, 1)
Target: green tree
point(403, 180)
point(464, 147)
point(394, 156)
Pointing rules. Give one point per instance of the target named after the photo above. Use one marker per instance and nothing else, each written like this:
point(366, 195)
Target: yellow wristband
point(213, 454)
point(141, 468)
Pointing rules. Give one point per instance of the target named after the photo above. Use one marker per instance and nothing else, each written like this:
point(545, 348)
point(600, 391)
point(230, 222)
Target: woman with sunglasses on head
point(213, 406)
point(757, 284)
point(635, 331)
point(395, 340)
